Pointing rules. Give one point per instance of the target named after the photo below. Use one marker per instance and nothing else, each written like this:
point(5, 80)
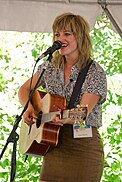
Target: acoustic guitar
point(36, 139)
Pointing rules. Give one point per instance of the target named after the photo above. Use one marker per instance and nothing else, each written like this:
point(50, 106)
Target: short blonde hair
point(80, 28)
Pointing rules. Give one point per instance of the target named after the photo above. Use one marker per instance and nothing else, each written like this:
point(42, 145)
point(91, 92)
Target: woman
point(73, 159)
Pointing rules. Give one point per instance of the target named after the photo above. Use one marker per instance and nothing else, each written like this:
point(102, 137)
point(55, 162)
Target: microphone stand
point(13, 137)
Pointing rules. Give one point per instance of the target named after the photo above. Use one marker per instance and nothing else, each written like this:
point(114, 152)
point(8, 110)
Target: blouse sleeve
point(96, 82)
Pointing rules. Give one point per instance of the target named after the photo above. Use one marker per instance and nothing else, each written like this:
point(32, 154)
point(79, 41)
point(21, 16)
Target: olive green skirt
point(74, 160)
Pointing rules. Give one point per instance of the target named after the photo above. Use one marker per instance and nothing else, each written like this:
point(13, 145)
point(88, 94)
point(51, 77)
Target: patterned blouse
point(95, 82)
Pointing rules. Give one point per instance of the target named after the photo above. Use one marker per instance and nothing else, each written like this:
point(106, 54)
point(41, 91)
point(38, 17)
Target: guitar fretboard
point(48, 116)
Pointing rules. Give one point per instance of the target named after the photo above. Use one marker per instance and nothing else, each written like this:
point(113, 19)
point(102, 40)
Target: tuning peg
point(72, 109)
point(72, 117)
point(78, 106)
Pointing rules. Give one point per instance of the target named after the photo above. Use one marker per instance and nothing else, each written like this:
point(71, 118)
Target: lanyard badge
point(82, 132)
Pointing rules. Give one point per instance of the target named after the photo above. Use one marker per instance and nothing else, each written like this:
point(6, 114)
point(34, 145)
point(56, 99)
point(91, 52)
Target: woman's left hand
point(56, 120)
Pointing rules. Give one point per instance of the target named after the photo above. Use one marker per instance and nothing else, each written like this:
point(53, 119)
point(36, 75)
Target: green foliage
point(18, 52)
point(107, 47)
point(112, 136)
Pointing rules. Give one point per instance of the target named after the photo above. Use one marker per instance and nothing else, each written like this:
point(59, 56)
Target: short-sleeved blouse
point(95, 82)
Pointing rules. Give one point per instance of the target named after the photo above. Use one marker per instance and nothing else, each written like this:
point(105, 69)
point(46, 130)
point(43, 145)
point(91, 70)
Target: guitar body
point(36, 139)
point(36, 149)
point(46, 102)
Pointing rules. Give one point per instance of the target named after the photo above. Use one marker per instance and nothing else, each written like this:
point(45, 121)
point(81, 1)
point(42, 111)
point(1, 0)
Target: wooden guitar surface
point(36, 139)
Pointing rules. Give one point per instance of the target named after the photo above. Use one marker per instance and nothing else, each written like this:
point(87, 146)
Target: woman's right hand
point(29, 115)
point(23, 94)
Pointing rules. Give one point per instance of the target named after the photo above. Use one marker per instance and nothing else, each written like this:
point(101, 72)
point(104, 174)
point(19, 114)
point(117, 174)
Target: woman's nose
point(61, 38)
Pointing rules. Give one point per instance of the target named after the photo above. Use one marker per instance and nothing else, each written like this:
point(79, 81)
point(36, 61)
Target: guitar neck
point(48, 116)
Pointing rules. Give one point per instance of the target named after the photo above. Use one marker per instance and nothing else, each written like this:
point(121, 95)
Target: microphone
point(56, 45)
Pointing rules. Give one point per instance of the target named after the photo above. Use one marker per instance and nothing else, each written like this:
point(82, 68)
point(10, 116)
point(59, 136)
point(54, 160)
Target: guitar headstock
point(79, 113)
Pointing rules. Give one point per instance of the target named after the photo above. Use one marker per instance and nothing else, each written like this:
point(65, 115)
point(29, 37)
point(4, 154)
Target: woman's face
point(69, 43)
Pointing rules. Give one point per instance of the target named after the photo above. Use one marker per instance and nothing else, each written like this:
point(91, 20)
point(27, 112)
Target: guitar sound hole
point(38, 122)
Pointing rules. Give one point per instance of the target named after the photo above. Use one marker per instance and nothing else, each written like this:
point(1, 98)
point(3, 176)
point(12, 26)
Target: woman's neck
point(70, 63)
point(67, 69)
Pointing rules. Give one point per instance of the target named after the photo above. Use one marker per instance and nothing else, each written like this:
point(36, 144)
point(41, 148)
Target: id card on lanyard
point(82, 132)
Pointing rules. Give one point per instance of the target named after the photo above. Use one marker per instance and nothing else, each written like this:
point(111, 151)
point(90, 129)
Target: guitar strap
point(78, 85)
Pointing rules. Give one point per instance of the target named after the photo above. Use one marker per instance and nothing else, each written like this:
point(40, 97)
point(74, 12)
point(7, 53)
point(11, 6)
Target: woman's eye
point(64, 34)
point(57, 35)
point(67, 33)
